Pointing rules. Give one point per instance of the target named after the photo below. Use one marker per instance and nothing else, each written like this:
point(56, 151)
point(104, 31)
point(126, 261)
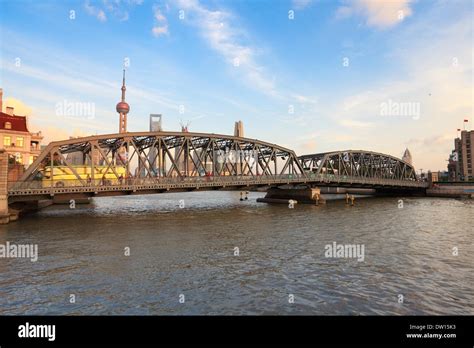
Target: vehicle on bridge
point(63, 176)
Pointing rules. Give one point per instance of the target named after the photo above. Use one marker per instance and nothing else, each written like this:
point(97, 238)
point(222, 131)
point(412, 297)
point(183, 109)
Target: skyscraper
point(463, 156)
point(182, 156)
point(155, 126)
point(407, 157)
point(239, 129)
point(155, 123)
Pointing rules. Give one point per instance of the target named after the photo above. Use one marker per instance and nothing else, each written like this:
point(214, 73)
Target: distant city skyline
point(313, 76)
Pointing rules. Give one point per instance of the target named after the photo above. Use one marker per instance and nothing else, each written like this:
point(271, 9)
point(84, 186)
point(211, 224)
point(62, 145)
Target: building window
point(7, 141)
point(8, 125)
point(19, 142)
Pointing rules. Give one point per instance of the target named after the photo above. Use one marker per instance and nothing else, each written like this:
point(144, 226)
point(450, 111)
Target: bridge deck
point(32, 188)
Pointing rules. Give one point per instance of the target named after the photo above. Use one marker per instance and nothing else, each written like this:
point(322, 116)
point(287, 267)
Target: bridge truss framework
point(359, 164)
point(152, 162)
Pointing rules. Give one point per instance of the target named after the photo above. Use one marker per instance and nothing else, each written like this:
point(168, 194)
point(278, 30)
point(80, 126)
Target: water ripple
point(191, 251)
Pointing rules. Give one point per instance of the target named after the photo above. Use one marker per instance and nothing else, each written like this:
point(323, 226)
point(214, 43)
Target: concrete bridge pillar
point(4, 214)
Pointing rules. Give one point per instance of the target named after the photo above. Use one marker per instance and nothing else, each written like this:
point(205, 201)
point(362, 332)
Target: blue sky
point(311, 75)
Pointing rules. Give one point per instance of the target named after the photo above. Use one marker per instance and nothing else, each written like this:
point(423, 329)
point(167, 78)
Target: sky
point(313, 76)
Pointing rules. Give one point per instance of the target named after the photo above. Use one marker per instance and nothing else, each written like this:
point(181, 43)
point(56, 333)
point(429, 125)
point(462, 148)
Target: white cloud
point(300, 4)
point(160, 30)
point(355, 124)
point(380, 14)
point(116, 8)
point(306, 99)
point(343, 12)
point(227, 39)
point(159, 16)
point(161, 23)
point(95, 11)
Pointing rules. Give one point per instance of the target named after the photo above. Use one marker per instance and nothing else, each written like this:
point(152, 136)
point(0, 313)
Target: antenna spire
point(123, 86)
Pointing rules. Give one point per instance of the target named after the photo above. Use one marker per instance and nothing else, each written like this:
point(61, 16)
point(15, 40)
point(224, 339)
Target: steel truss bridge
point(157, 162)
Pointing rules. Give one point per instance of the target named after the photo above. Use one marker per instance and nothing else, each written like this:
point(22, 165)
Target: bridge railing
point(333, 178)
point(47, 184)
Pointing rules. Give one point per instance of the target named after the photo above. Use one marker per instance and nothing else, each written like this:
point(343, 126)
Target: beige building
point(463, 156)
point(22, 146)
point(239, 129)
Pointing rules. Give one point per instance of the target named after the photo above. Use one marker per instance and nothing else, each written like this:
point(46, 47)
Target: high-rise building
point(461, 160)
point(155, 123)
point(154, 161)
point(407, 157)
point(182, 156)
point(452, 166)
point(239, 129)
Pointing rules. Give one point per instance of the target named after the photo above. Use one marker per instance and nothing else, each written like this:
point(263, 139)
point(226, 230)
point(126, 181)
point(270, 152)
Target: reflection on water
point(190, 251)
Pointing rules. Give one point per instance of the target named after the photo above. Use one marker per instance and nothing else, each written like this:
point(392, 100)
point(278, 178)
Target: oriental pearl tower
point(123, 108)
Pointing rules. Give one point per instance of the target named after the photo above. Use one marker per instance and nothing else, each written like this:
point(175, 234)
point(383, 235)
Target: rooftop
point(13, 122)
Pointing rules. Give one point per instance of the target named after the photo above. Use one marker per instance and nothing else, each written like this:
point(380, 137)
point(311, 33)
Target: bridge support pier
point(303, 195)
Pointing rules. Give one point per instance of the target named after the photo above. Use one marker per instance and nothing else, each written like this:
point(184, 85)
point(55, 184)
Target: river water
point(183, 257)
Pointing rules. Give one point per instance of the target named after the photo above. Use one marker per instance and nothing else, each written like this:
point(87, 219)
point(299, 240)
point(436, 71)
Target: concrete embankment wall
point(453, 191)
point(4, 213)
